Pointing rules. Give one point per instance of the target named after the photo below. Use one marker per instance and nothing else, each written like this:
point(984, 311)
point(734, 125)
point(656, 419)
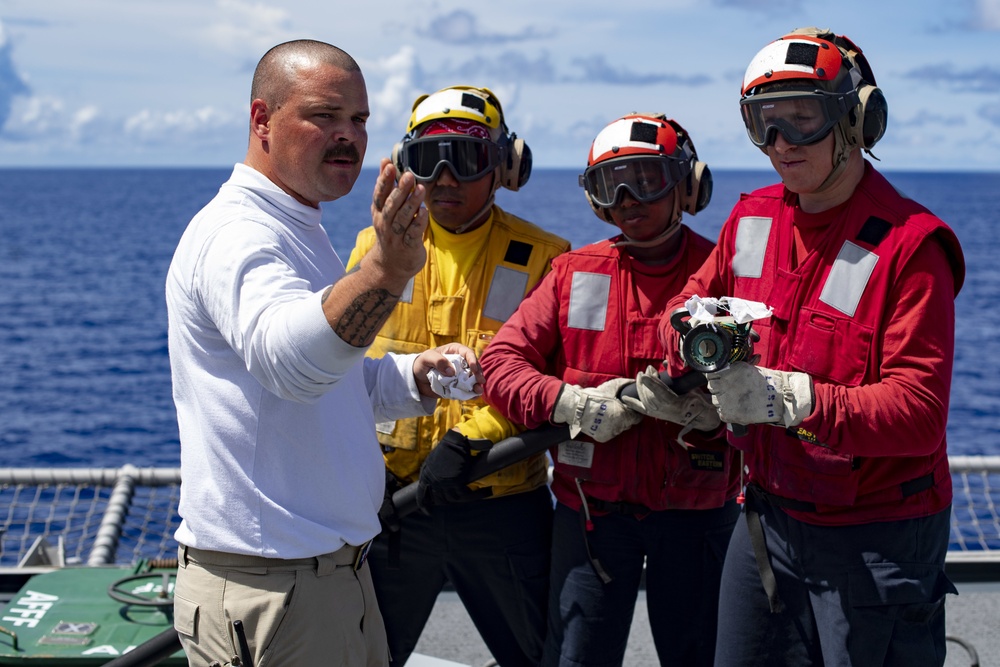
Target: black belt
point(756, 494)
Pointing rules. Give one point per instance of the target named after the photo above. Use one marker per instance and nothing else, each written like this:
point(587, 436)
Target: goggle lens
point(468, 158)
point(802, 118)
point(646, 179)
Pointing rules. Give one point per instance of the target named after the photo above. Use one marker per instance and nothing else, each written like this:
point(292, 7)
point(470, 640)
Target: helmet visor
point(468, 158)
point(802, 117)
point(645, 178)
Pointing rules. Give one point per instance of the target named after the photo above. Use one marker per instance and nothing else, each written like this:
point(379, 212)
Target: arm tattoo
point(365, 316)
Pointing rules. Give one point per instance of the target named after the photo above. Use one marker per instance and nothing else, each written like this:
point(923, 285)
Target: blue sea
point(84, 374)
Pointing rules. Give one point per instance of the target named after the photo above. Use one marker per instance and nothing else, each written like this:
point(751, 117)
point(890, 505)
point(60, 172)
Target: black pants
point(495, 553)
point(683, 552)
point(868, 595)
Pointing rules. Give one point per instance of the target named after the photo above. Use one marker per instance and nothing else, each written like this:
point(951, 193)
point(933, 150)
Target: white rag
point(459, 386)
point(709, 309)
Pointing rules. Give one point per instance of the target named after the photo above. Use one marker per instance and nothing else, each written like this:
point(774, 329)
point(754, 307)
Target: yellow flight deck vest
point(513, 258)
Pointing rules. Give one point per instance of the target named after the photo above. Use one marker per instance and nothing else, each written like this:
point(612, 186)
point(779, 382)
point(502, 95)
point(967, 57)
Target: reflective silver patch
point(751, 245)
point(408, 291)
point(385, 427)
point(588, 301)
point(848, 278)
point(506, 292)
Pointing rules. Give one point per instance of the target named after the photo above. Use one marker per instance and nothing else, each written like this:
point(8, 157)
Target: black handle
point(678, 322)
point(241, 636)
point(151, 652)
point(679, 385)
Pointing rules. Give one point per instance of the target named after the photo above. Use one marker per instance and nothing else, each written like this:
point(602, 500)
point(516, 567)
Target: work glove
point(446, 472)
point(659, 401)
point(747, 394)
point(595, 411)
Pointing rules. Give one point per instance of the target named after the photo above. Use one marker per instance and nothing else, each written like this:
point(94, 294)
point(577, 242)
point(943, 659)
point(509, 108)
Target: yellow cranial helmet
point(461, 110)
point(467, 102)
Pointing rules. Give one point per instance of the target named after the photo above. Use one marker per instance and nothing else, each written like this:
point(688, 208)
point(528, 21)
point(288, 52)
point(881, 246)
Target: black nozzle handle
point(679, 385)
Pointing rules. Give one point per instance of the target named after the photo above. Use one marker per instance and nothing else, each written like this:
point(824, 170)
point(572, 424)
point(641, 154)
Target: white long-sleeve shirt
point(276, 412)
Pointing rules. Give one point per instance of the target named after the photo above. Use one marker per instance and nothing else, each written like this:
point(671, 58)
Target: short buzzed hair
point(277, 68)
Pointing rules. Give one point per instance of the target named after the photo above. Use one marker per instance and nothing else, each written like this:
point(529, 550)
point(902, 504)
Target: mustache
point(340, 152)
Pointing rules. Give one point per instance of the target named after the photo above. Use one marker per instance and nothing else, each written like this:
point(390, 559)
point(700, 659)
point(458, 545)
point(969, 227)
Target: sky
point(155, 83)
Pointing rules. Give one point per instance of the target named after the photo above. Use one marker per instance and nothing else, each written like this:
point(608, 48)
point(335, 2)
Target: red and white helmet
point(826, 71)
point(793, 57)
point(635, 134)
point(648, 156)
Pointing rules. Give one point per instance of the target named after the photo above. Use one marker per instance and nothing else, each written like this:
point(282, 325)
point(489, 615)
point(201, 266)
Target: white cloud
point(43, 118)
point(400, 77)
point(988, 12)
point(248, 26)
point(153, 128)
point(167, 83)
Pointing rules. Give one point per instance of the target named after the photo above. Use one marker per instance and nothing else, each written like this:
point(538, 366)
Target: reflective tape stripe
point(848, 278)
point(506, 291)
point(407, 296)
point(751, 245)
point(588, 301)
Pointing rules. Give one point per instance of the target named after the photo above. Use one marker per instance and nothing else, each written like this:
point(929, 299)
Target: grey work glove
point(595, 411)
point(748, 394)
point(659, 401)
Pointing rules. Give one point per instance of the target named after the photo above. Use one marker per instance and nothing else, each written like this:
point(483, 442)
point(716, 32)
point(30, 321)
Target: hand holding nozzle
point(663, 397)
point(711, 347)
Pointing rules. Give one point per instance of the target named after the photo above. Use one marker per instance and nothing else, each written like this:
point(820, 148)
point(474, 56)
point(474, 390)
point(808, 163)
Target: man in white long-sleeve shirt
point(276, 403)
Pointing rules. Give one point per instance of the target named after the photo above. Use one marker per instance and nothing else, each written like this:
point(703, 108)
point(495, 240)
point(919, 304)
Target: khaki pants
point(302, 612)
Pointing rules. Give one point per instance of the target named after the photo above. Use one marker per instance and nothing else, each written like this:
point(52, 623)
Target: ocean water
point(84, 374)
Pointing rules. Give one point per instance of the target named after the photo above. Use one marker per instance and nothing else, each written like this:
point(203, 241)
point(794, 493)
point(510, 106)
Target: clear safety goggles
point(645, 178)
point(803, 117)
point(468, 158)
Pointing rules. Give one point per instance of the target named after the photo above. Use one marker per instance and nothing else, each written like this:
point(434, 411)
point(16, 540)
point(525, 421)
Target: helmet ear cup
point(515, 163)
point(696, 191)
point(875, 115)
point(602, 213)
point(397, 157)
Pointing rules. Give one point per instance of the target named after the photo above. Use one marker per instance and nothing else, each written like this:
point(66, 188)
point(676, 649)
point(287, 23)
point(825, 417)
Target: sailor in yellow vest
point(481, 262)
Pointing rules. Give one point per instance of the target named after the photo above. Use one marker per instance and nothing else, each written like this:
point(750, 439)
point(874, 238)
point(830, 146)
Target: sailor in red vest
point(631, 489)
point(840, 560)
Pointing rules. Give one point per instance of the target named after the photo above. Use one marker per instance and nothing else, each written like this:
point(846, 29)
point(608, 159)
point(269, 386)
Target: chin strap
point(841, 153)
point(671, 231)
point(475, 218)
point(486, 207)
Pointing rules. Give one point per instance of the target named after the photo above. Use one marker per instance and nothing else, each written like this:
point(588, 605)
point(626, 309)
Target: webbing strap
point(594, 562)
point(759, 544)
point(586, 526)
point(756, 494)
